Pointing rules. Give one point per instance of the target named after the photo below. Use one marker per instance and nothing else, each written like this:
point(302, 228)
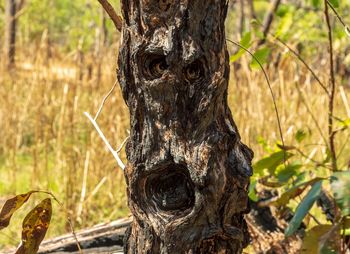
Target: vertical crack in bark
point(188, 171)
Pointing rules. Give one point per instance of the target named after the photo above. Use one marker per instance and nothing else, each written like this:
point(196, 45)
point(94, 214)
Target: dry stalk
point(331, 95)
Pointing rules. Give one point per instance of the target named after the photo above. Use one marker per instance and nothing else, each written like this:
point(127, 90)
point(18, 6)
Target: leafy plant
point(300, 180)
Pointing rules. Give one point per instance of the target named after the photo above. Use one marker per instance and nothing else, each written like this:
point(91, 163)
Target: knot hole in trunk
point(171, 189)
point(154, 66)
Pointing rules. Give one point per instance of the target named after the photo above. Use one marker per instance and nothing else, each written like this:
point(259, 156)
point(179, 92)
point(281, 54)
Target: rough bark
point(188, 171)
point(10, 32)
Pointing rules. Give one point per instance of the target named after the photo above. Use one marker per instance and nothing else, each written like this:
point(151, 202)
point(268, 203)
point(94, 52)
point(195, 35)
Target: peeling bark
point(188, 171)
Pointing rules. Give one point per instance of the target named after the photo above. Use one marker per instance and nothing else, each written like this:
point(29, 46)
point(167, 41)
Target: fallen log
point(103, 238)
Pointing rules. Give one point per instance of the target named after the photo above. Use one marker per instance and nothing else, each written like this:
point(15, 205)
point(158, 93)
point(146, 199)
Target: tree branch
point(341, 20)
point(117, 20)
point(114, 153)
point(268, 20)
point(20, 5)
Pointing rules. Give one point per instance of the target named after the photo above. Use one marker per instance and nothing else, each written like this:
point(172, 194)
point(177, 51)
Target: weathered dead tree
point(188, 171)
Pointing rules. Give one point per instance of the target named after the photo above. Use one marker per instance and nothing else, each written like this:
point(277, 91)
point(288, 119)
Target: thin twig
point(269, 85)
point(268, 20)
point(74, 234)
point(297, 55)
point(346, 27)
point(83, 188)
point(341, 150)
point(117, 20)
point(97, 188)
point(122, 144)
point(104, 100)
point(331, 133)
point(115, 154)
point(311, 159)
point(314, 218)
point(93, 121)
point(313, 117)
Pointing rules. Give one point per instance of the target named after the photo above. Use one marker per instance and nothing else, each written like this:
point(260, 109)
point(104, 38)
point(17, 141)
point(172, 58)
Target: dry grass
point(47, 143)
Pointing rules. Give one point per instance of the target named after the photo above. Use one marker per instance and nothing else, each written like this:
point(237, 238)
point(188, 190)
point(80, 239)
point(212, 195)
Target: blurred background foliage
point(66, 54)
point(66, 22)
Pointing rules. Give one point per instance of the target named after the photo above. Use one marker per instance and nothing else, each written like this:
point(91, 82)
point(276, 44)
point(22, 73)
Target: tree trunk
point(104, 30)
point(241, 22)
point(188, 172)
point(252, 10)
point(10, 32)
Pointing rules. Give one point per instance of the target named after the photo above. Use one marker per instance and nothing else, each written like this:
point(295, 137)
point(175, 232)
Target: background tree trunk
point(188, 171)
point(10, 32)
point(252, 9)
point(269, 19)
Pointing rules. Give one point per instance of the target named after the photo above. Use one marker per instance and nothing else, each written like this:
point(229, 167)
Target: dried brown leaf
point(34, 227)
point(312, 239)
point(11, 206)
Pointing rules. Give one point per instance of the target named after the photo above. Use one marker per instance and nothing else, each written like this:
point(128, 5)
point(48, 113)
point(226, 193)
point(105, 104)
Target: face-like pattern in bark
point(188, 171)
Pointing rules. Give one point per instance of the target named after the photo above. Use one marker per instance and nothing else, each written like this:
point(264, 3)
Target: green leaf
point(303, 208)
point(285, 173)
point(313, 237)
point(245, 42)
point(343, 124)
point(294, 192)
point(271, 162)
point(285, 25)
point(335, 3)
point(261, 55)
point(300, 136)
point(284, 9)
point(346, 232)
point(316, 3)
point(256, 26)
point(252, 192)
point(246, 39)
point(263, 142)
point(328, 157)
point(346, 122)
point(341, 190)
